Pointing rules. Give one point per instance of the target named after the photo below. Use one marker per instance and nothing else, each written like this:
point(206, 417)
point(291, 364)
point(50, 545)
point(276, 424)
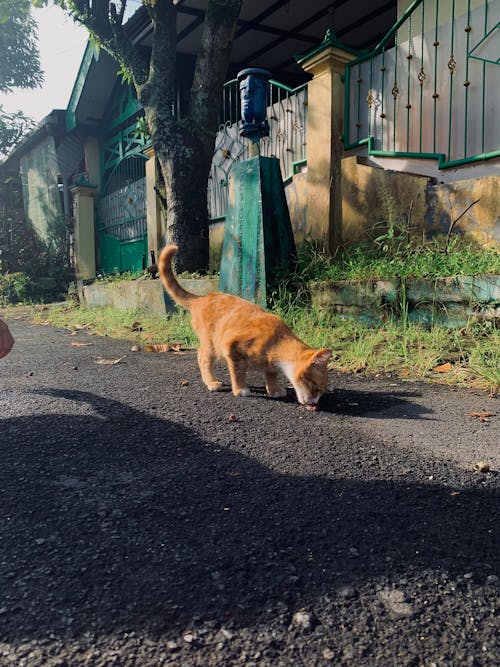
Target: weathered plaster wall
point(42, 200)
point(296, 197)
point(372, 195)
point(445, 202)
point(216, 239)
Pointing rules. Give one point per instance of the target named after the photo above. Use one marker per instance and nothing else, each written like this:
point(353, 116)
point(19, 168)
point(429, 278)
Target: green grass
point(373, 260)
point(127, 324)
point(403, 348)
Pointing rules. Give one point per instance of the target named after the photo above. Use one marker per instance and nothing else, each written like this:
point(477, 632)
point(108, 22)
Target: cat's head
point(311, 376)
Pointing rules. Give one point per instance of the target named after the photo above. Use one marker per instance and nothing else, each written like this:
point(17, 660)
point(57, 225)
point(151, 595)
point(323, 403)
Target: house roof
point(51, 125)
point(269, 34)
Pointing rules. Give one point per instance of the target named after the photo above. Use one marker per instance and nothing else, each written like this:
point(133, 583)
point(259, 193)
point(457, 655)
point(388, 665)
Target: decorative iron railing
point(287, 116)
point(431, 88)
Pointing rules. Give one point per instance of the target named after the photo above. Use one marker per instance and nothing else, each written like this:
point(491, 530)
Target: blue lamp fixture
point(253, 93)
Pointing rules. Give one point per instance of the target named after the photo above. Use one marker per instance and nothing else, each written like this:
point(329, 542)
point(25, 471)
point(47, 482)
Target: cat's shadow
point(357, 403)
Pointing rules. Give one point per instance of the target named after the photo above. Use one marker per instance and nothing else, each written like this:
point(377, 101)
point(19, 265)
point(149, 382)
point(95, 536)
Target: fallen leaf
point(482, 466)
point(79, 327)
point(77, 343)
point(157, 347)
point(135, 348)
point(232, 418)
point(455, 493)
point(483, 416)
point(108, 362)
point(184, 383)
point(176, 347)
point(443, 368)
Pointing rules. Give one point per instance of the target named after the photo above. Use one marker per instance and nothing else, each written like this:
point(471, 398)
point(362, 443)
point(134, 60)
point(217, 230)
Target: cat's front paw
point(242, 392)
point(280, 392)
point(214, 386)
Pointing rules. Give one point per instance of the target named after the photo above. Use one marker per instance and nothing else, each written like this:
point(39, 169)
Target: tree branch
point(452, 225)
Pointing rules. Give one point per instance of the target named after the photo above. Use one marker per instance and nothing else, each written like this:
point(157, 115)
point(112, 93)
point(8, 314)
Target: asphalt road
point(146, 522)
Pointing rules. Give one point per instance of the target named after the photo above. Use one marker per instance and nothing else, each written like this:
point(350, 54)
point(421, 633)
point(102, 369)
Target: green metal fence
point(431, 88)
point(122, 219)
point(121, 208)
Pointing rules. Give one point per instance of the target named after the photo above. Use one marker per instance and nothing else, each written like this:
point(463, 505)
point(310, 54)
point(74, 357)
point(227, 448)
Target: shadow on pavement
point(355, 403)
point(117, 520)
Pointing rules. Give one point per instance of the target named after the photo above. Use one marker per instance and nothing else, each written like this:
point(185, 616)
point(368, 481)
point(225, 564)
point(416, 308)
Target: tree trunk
point(184, 146)
point(185, 161)
point(185, 167)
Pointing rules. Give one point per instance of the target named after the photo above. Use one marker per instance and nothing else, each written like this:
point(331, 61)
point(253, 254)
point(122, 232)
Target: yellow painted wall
point(372, 196)
point(92, 161)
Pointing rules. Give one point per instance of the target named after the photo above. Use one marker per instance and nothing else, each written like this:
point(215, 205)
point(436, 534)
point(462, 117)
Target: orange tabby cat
point(247, 337)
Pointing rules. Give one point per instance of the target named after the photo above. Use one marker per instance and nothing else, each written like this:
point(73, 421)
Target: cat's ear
point(322, 357)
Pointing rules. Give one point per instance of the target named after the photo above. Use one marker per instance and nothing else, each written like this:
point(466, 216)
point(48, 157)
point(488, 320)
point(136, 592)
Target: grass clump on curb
point(369, 261)
point(469, 356)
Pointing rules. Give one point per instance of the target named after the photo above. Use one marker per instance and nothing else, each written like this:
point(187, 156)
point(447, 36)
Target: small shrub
point(14, 288)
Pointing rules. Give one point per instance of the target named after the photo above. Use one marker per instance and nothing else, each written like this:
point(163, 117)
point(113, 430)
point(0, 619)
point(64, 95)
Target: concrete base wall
point(147, 295)
point(450, 301)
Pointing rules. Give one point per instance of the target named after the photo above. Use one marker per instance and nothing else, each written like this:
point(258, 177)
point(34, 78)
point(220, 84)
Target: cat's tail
point(170, 282)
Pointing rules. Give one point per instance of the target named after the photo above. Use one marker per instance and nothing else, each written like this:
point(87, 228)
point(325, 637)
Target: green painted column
point(258, 237)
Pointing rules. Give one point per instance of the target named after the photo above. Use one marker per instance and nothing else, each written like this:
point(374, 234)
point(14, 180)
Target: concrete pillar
point(154, 214)
point(84, 231)
point(325, 119)
point(93, 161)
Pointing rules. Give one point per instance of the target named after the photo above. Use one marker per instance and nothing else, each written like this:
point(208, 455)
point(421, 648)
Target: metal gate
point(122, 225)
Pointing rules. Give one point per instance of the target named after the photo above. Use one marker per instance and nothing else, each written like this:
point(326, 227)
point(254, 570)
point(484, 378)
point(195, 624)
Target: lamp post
point(258, 237)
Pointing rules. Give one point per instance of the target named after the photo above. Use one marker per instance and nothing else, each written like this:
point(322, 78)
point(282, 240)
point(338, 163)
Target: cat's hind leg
point(206, 359)
point(273, 385)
